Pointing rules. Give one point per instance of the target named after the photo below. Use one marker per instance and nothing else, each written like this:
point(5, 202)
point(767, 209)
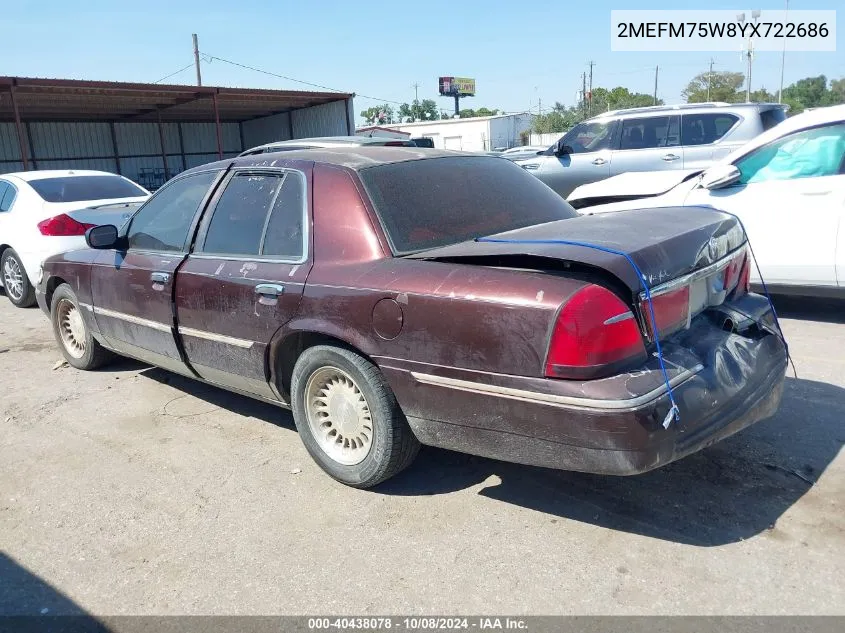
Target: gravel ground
point(135, 491)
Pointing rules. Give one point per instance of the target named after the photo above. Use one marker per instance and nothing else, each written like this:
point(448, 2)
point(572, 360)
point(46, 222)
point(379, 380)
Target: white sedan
point(43, 213)
point(787, 186)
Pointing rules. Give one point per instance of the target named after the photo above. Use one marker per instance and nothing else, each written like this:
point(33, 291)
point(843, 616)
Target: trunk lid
point(114, 213)
point(665, 243)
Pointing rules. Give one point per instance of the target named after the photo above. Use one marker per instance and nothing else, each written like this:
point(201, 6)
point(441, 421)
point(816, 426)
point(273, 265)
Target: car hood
point(665, 243)
point(629, 186)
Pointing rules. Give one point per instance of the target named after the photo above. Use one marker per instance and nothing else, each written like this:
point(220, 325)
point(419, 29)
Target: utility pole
point(197, 58)
point(416, 87)
point(783, 57)
point(590, 106)
point(656, 69)
point(584, 93)
point(710, 79)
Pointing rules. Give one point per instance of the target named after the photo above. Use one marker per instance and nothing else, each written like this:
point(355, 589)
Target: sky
point(523, 55)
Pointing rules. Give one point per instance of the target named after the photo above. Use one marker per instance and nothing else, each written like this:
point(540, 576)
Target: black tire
point(25, 297)
point(392, 446)
point(91, 354)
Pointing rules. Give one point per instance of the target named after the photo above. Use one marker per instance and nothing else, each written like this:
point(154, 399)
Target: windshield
point(80, 188)
point(424, 204)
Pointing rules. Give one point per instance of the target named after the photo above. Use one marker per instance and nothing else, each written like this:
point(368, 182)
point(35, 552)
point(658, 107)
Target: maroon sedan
point(393, 297)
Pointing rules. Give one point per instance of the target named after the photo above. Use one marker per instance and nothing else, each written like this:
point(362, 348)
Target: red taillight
point(63, 226)
point(595, 331)
point(671, 311)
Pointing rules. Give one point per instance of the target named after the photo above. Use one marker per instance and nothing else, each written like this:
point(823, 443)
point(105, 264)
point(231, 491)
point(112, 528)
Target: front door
point(132, 290)
point(587, 158)
point(245, 276)
point(791, 200)
point(648, 144)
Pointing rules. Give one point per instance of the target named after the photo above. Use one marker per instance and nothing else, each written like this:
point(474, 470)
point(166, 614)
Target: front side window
point(703, 129)
point(807, 154)
point(162, 224)
point(589, 137)
point(259, 214)
point(649, 133)
point(82, 188)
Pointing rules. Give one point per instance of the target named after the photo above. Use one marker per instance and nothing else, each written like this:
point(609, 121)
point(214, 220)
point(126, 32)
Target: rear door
point(132, 290)
point(245, 276)
point(648, 144)
point(701, 136)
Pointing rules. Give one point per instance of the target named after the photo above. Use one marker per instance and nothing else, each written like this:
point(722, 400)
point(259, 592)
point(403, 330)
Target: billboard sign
point(461, 86)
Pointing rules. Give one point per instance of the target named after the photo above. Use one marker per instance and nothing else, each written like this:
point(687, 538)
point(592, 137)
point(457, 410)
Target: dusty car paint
point(469, 333)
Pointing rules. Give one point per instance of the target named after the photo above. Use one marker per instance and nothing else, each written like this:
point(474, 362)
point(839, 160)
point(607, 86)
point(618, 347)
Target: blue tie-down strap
point(674, 411)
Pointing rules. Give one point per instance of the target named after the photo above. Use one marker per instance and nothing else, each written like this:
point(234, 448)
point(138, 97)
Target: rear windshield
point(436, 202)
point(770, 118)
point(79, 188)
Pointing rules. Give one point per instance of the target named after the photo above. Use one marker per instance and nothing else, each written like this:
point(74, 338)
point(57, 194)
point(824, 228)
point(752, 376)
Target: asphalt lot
point(135, 491)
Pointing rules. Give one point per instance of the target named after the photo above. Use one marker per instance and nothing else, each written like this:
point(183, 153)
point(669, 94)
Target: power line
point(172, 74)
point(300, 81)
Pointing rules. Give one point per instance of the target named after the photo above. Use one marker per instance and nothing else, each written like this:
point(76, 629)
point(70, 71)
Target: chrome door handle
point(269, 290)
point(599, 161)
point(669, 157)
point(160, 278)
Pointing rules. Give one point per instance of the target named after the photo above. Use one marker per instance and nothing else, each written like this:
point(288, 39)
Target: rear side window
point(706, 128)
point(770, 118)
point(258, 214)
point(651, 132)
point(162, 224)
point(81, 188)
point(425, 204)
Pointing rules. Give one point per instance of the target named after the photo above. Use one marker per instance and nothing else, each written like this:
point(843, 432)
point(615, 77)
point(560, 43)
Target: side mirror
point(104, 236)
point(719, 176)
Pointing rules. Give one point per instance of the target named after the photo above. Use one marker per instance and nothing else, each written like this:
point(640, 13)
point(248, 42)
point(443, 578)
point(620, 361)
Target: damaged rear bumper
point(722, 381)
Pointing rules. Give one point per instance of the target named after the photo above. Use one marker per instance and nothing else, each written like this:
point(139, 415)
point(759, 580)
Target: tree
point(468, 113)
point(425, 110)
point(810, 92)
point(837, 87)
point(724, 86)
point(378, 115)
point(762, 96)
point(619, 97)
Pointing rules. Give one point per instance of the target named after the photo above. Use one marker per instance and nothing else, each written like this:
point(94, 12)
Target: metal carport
point(143, 129)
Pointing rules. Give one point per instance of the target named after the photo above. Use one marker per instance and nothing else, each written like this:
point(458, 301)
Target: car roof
point(356, 158)
point(28, 176)
point(685, 108)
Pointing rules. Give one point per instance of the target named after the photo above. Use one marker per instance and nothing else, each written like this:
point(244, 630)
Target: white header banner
point(723, 30)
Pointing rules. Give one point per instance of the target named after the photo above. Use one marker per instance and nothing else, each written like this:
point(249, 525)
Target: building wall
point(133, 149)
point(472, 135)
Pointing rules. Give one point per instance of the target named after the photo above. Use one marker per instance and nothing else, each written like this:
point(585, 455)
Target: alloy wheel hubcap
point(338, 416)
point(71, 328)
point(13, 278)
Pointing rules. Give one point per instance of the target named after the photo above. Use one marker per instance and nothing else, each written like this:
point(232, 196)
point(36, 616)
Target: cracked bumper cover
point(722, 382)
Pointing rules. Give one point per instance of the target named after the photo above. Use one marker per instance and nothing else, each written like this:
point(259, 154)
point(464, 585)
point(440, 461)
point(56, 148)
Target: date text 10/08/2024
point(418, 623)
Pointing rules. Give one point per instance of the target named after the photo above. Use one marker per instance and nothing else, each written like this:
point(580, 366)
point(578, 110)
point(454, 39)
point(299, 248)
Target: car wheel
point(18, 288)
point(73, 334)
point(348, 417)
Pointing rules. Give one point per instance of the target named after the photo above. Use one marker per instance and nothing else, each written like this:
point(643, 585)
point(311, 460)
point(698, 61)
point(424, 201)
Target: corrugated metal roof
point(77, 100)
